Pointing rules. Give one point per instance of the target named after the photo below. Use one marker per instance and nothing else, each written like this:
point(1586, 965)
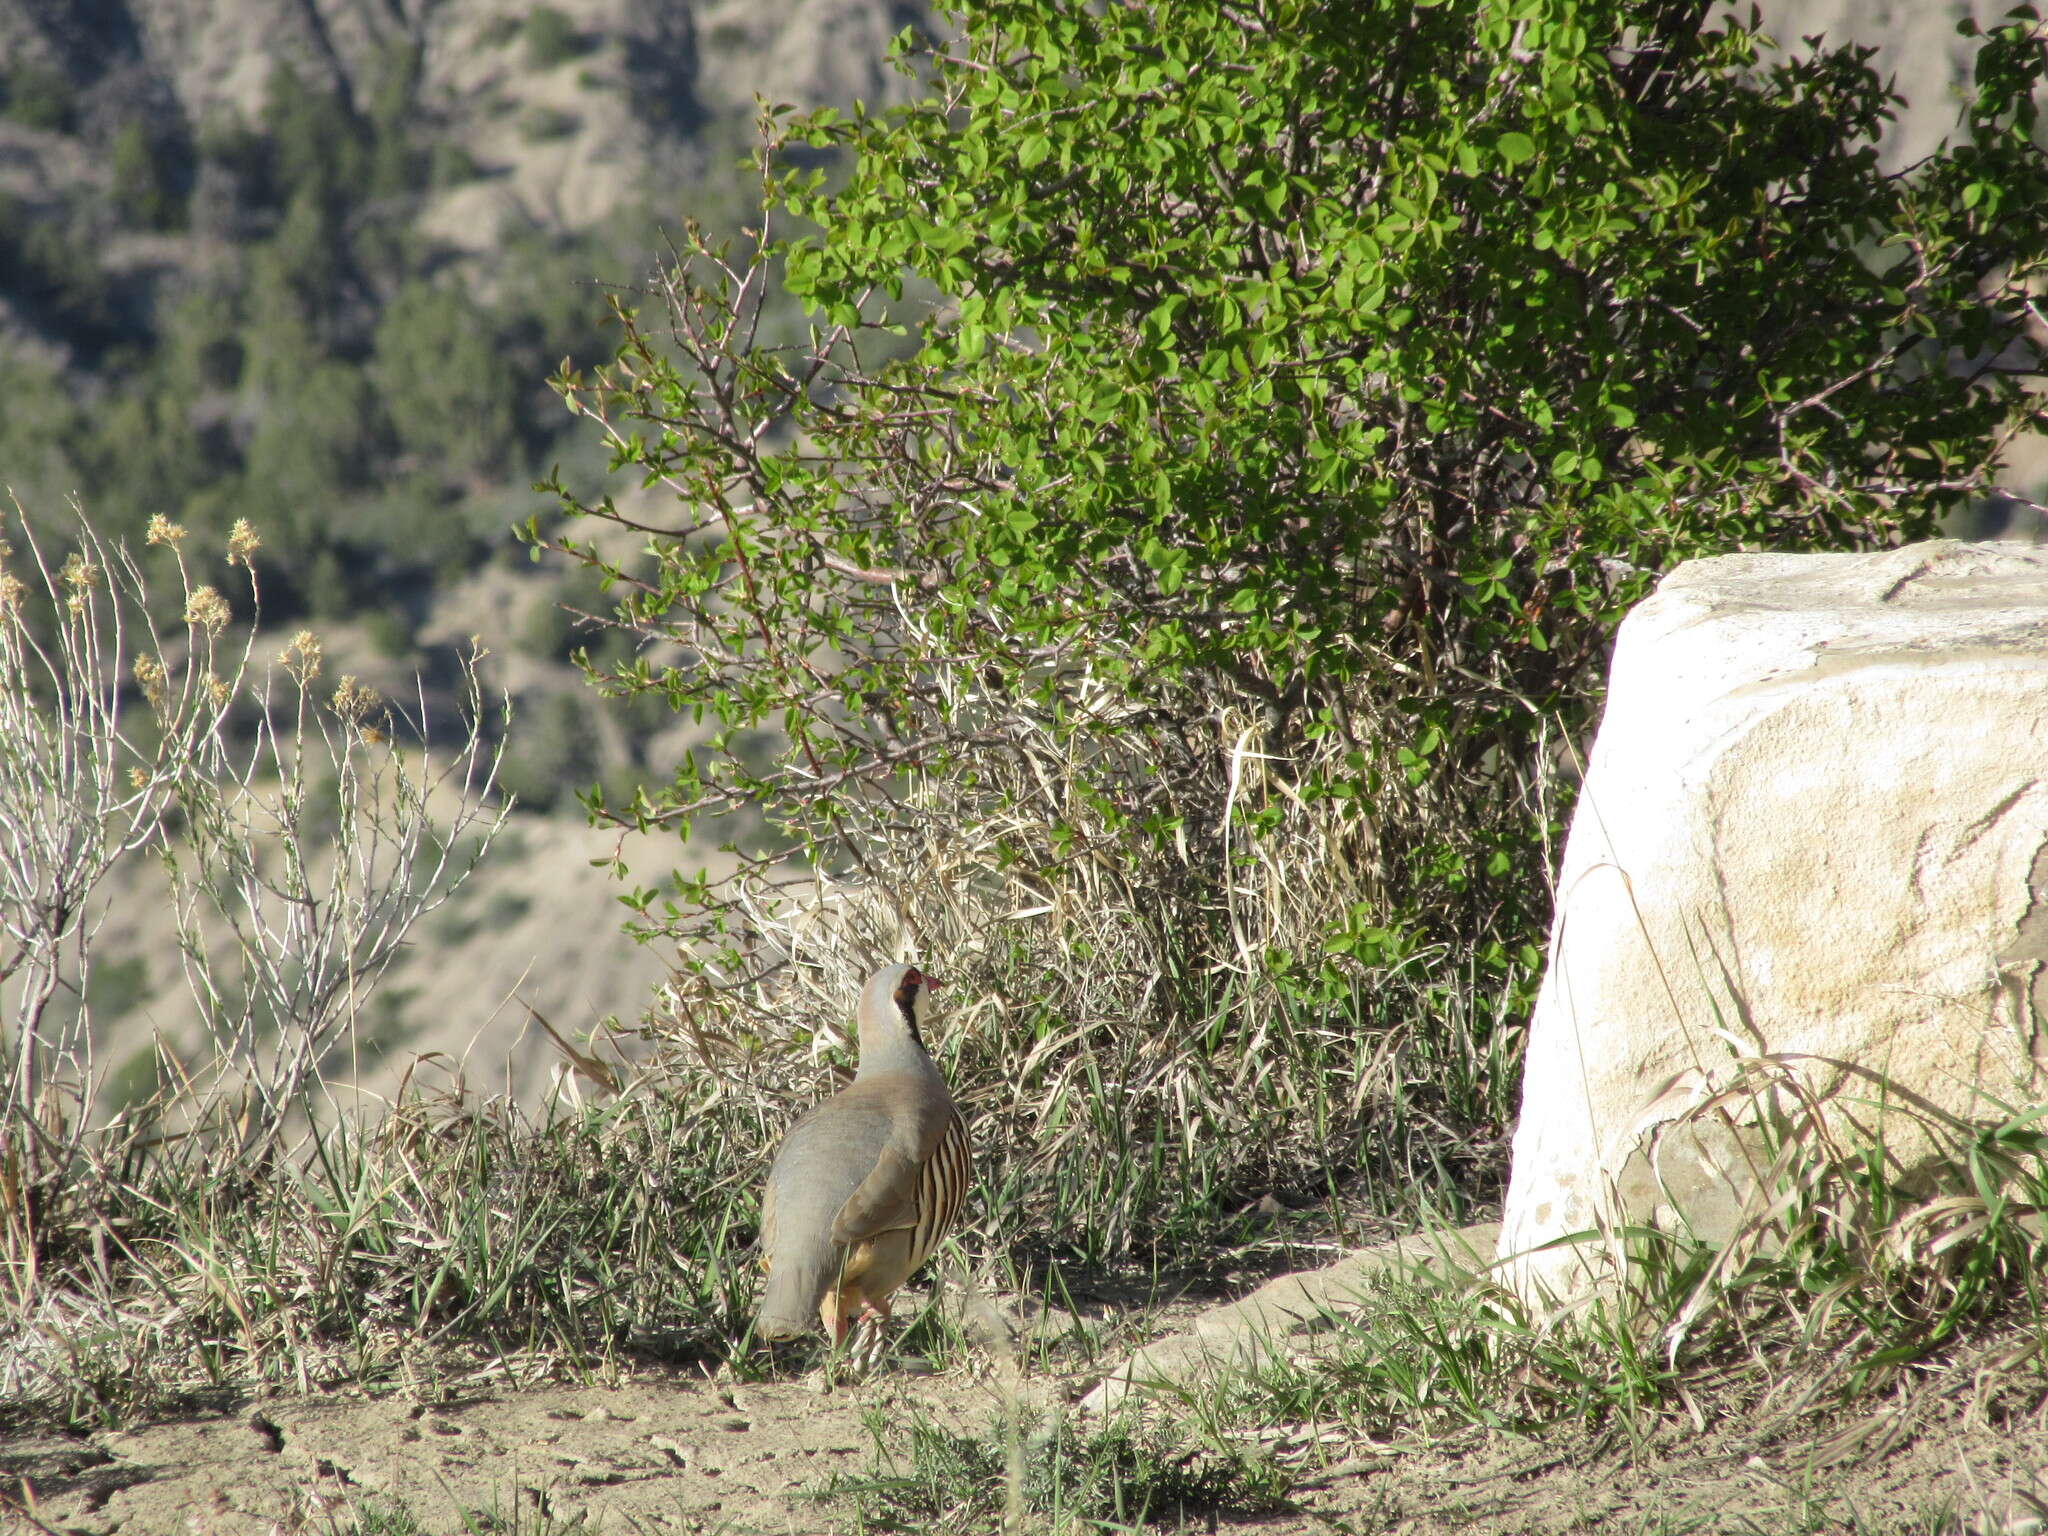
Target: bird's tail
point(799, 1274)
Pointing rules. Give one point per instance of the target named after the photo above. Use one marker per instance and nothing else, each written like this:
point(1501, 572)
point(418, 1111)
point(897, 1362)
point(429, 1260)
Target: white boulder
point(1811, 849)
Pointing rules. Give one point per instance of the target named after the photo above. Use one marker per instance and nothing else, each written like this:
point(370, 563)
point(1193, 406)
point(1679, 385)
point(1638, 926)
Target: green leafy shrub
point(555, 755)
point(50, 262)
point(545, 632)
point(144, 189)
point(543, 125)
point(41, 429)
point(1172, 636)
point(397, 165)
point(38, 97)
point(451, 165)
point(389, 632)
point(320, 435)
point(441, 380)
point(313, 145)
point(551, 38)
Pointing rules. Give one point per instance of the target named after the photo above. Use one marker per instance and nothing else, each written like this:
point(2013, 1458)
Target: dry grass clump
point(1844, 1276)
point(1867, 1254)
point(1064, 1475)
point(444, 1241)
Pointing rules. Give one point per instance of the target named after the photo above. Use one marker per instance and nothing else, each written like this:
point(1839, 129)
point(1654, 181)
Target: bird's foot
point(869, 1343)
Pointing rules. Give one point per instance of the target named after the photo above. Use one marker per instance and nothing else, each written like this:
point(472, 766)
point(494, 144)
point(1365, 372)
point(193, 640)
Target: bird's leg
point(871, 1334)
point(836, 1313)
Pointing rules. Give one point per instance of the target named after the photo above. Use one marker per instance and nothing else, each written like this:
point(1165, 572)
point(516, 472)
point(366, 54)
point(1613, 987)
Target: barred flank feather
point(941, 1190)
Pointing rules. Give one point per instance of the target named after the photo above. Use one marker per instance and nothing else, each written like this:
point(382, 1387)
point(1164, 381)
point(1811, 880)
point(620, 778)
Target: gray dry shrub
point(302, 828)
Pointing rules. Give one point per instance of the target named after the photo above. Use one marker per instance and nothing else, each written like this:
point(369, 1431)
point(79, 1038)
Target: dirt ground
point(675, 1454)
point(1958, 1451)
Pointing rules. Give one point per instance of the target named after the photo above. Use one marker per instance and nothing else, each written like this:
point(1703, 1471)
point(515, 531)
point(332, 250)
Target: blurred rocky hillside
point(548, 118)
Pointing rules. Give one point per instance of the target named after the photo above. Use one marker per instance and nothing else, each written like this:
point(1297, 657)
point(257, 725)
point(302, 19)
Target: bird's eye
point(906, 990)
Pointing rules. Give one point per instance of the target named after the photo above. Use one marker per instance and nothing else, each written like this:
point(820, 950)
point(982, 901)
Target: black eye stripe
point(906, 1003)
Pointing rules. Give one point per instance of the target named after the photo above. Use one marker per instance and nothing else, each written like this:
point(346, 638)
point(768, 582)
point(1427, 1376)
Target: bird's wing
point(886, 1199)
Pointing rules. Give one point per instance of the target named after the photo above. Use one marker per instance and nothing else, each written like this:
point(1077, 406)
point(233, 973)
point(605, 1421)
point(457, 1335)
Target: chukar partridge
point(866, 1183)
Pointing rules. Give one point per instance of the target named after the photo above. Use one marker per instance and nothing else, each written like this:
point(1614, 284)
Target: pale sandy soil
point(1952, 1450)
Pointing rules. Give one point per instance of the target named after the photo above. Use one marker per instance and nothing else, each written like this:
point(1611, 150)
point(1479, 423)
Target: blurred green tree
point(444, 383)
point(551, 37)
point(143, 187)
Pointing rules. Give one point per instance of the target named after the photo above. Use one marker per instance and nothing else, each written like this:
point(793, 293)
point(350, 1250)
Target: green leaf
point(1515, 149)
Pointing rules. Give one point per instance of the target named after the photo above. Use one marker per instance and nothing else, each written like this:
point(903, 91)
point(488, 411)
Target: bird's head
point(892, 1009)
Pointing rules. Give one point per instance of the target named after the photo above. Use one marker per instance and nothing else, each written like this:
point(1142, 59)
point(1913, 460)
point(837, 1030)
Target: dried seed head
point(302, 657)
point(207, 609)
point(149, 677)
point(163, 531)
point(11, 590)
point(138, 779)
point(80, 574)
point(242, 543)
point(352, 700)
point(218, 691)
